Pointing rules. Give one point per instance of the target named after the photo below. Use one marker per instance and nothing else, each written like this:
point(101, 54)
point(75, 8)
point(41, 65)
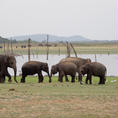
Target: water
point(110, 61)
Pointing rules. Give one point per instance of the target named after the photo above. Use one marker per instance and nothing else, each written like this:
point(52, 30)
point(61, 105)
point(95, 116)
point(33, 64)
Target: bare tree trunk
point(73, 49)
point(68, 49)
point(95, 58)
point(8, 48)
point(59, 51)
point(4, 48)
point(29, 49)
point(47, 47)
point(11, 47)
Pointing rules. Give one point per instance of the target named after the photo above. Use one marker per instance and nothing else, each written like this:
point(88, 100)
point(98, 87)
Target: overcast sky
point(94, 19)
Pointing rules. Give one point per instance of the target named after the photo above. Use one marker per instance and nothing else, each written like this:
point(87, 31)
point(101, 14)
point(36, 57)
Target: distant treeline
point(2, 40)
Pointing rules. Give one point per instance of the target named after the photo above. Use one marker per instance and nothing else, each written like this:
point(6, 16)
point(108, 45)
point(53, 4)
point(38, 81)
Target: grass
point(61, 49)
point(59, 100)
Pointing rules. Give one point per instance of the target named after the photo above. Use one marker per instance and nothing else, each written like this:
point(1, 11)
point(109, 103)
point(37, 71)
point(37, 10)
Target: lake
point(110, 61)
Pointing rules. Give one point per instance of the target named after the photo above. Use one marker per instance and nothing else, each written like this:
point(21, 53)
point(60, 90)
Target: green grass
point(59, 100)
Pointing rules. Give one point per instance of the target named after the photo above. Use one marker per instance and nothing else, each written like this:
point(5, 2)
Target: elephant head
point(11, 62)
point(84, 69)
point(45, 68)
point(54, 69)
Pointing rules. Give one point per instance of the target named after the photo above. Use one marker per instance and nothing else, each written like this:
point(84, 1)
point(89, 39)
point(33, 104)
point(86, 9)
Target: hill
point(52, 38)
point(3, 39)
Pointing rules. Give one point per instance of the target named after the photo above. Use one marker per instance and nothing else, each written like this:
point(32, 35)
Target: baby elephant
point(34, 67)
point(64, 69)
point(96, 69)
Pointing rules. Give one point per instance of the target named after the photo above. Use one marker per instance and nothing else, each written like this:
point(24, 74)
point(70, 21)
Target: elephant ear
point(46, 64)
point(6, 59)
point(87, 68)
point(43, 65)
point(57, 67)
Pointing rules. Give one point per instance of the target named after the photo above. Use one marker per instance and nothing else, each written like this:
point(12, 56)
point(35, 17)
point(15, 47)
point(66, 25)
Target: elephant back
point(30, 64)
point(78, 61)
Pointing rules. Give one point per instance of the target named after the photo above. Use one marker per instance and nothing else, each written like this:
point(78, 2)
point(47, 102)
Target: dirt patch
point(34, 107)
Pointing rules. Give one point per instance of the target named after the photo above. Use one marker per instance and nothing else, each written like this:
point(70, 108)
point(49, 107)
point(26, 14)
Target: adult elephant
point(78, 61)
point(64, 69)
point(96, 69)
point(34, 67)
point(5, 62)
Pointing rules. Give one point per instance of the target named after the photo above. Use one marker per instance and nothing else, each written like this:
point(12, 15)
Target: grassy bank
point(59, 100)
point(61, 49)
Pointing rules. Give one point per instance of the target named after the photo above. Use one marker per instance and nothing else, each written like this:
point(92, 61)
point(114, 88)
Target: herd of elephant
point(67, 66)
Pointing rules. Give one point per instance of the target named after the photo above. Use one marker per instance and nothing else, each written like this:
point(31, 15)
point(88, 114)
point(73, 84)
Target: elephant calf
point(64, 69)
point(96, 69)
point(78, 62)
point(34, 67)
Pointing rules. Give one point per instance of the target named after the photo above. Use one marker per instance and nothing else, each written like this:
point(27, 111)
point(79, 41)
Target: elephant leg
point(104, 79)
point(5, 73)
point(87, 80)
point(73, 79)
point(90, 81)
point(66, 78)
point(100, 82)
point(61, 77)
point(9, 76)
point(23, 78)
point(80, 78)
point(89, 76)
point(40, 77)
point(2, 79)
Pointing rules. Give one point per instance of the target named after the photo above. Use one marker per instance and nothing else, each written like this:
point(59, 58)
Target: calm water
point(110, 61)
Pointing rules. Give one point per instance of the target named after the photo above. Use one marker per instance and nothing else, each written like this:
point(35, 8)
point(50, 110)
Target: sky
point(93, 19)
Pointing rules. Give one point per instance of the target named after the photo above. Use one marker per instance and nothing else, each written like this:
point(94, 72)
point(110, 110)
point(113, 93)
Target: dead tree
point(29, 49)
point(59, 51)
point(68, 49)
point(8, 47)
point(4, 47)
point(47, 47)
point(95, 58)
point(73, 49)
point(11, 48)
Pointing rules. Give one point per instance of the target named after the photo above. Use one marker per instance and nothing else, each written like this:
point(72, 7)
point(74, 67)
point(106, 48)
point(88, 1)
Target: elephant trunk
point(15, 70)
point(51, 75)
point(49, 78)
point(80, 78)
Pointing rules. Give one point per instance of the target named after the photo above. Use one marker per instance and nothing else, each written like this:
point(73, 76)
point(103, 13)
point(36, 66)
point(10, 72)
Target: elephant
point(2, 76)
point(64, 69)
point(95, 69)
point(34, 67)
point(5, 62)
point(78, 61)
